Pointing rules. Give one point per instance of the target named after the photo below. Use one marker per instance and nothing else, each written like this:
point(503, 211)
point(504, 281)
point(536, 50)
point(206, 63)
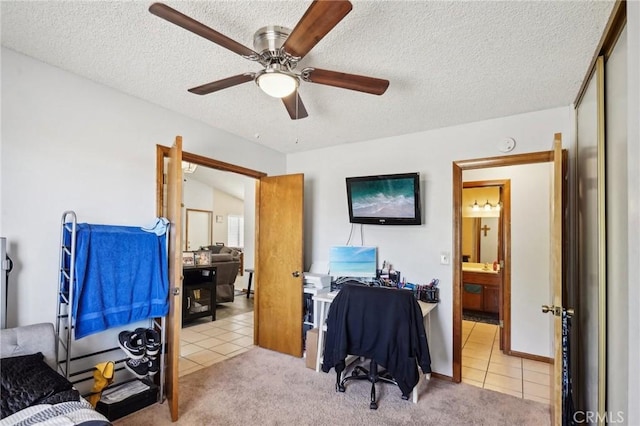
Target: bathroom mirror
point(480, 224)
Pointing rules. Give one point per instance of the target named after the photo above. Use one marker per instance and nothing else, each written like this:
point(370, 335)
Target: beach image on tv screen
point(352, 261)
point(383, 198)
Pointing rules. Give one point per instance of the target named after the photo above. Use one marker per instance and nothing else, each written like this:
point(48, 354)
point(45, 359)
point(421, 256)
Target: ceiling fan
point(279, 50)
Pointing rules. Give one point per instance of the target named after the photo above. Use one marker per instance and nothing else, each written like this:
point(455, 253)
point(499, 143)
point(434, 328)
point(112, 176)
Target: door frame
point(163, 151)
point(458, 168)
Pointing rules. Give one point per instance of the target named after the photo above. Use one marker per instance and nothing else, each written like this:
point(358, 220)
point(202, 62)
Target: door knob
point(556, 310)
point(295, 274)
point(547, 308)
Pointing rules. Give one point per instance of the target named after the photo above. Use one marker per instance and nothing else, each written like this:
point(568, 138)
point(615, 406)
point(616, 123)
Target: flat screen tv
point(353, 262)
point(385, 199)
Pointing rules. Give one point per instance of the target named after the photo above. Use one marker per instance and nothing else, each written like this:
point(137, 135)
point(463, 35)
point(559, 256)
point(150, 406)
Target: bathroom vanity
point(481, 288)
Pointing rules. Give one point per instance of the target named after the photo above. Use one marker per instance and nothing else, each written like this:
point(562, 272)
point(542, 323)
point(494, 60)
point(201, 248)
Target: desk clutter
point(429, 293)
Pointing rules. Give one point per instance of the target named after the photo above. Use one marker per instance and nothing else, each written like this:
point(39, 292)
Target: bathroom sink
point(478, 267)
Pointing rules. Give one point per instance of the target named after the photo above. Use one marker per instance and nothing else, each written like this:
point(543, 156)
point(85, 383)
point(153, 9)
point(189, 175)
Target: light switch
point(444, 258)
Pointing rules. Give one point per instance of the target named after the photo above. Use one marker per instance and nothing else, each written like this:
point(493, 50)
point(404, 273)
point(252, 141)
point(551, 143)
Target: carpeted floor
point(262, 387)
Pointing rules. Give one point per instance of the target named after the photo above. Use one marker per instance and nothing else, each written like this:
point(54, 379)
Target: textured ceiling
point(448, 62)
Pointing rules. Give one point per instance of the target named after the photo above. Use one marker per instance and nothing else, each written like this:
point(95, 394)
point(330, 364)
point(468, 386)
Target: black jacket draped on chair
point(379, 323)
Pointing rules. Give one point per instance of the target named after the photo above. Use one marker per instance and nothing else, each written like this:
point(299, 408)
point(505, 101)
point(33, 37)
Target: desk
point(321, 303)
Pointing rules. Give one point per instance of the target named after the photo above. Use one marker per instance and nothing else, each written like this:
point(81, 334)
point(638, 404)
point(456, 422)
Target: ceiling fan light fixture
point(277, 83)
point(189, 167)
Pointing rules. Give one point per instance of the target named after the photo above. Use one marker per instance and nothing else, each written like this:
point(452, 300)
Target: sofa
point(227, 263)
point(32, 391)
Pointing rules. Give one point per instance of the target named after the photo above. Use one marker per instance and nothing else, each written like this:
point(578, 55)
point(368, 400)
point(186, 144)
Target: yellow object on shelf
point(103, 377)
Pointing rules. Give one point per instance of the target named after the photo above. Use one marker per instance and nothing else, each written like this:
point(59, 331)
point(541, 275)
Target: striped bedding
point(62, 414)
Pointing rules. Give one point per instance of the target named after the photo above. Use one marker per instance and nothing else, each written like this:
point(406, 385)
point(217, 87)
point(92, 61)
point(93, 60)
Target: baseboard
point(531, 357)
point(442, 377)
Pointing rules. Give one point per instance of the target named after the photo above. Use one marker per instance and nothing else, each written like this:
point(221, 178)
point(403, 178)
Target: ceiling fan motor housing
point(268, 41)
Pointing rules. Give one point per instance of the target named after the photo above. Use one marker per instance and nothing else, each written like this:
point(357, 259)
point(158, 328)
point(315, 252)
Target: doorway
point(216, 204)
point(486, 254)
point(169, 203)
point(511, 375)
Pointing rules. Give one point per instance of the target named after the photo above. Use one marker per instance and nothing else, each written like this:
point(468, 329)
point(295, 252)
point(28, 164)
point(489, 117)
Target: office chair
point(381, 324)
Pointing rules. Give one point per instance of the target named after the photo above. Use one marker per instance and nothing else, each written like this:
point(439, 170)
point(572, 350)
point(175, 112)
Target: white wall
point(413, 250)
point(249, 234)
point(224, 205)
point(530, 242)
point(71, 144)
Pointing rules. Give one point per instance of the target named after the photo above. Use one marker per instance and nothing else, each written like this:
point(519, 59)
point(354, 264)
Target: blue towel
point(121, 277)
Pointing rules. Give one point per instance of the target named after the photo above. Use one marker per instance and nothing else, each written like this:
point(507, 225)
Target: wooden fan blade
point(291, 102)
point(360, 83)
point(317, 21)
point(190, 24)
point(205, 89)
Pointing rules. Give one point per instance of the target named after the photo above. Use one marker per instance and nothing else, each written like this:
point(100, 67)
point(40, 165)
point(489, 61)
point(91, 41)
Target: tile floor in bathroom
point(485, 366)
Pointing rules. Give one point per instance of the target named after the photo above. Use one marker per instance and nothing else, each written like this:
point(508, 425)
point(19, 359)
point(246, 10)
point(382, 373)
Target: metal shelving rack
point(65, 323)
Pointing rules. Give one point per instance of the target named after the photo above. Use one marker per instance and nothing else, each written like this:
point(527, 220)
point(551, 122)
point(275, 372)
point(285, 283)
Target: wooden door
point(173, 212)
point(279, 260)
point(556, 272)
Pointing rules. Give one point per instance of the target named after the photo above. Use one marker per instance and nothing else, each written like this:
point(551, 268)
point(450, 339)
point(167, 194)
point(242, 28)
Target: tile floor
point(485, 366)
point(204, 342)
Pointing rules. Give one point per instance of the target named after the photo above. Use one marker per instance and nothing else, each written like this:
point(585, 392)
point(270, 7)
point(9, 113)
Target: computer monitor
point(352, 262)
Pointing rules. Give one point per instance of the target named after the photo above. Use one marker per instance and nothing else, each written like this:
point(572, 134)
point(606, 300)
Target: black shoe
point(139, 367)
point(151, 340)
point(153, 365)
point(132, 343)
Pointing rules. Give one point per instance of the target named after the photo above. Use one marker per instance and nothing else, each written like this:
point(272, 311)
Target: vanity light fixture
point(486, 206)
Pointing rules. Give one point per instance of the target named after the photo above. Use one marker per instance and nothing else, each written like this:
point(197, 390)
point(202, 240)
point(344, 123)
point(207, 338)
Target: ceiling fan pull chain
point(297, 116)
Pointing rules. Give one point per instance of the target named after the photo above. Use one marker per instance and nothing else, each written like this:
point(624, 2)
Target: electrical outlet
point(444, 258)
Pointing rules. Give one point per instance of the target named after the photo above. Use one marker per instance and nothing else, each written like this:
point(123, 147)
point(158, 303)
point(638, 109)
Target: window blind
point(235, 231)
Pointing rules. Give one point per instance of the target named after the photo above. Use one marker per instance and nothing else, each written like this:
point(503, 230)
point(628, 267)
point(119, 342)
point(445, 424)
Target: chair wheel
point(373, 405)
point(405, 397)
point(355, 373)
point(340, 388)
